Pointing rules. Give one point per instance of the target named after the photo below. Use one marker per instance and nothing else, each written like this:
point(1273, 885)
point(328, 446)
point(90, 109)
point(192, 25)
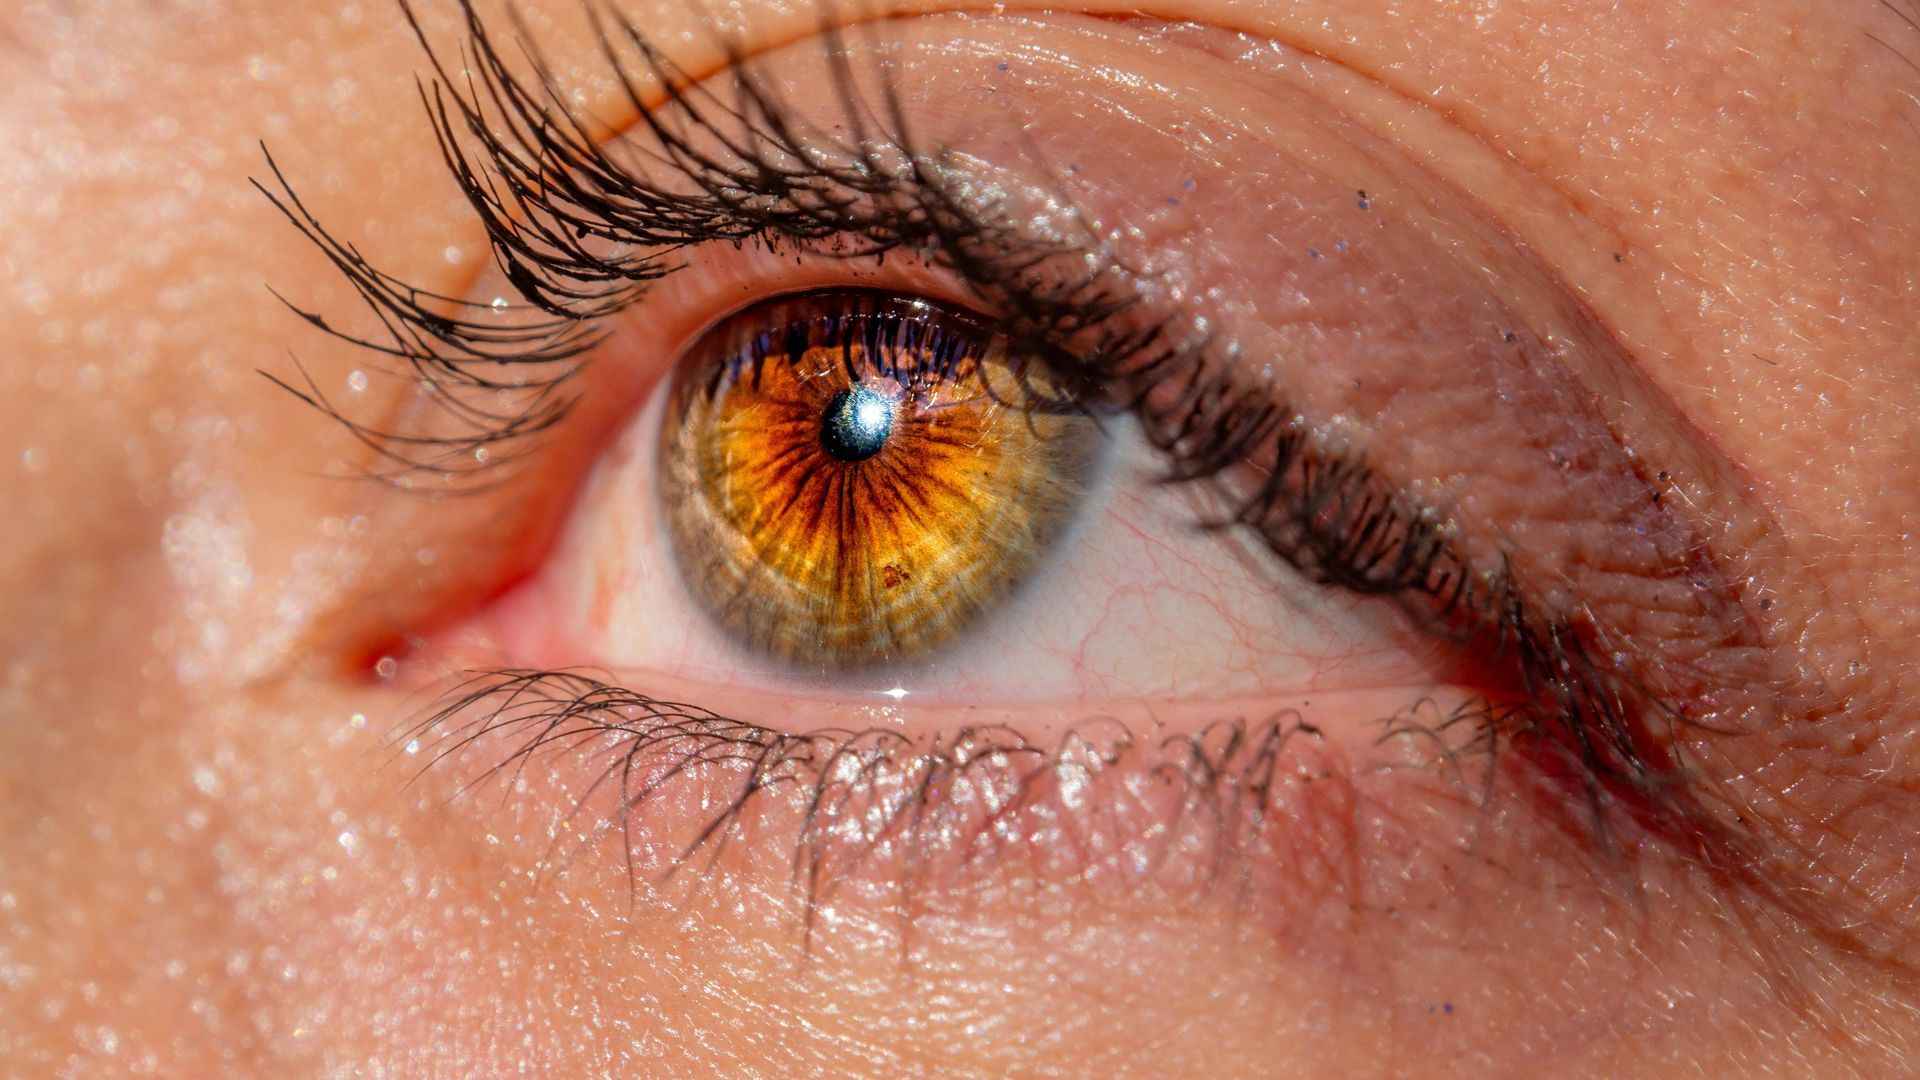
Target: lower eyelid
point(1260, 808)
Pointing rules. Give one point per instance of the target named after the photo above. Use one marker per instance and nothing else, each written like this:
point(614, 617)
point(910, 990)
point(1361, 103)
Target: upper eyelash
point(548, 193)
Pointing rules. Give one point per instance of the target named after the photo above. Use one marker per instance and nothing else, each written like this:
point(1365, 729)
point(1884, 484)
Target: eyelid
point(1258, 805)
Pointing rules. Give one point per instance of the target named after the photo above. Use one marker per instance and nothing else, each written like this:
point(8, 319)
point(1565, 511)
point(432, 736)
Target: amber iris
point(853, 479)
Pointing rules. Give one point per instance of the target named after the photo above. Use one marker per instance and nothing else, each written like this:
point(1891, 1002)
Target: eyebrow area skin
point(199, 871)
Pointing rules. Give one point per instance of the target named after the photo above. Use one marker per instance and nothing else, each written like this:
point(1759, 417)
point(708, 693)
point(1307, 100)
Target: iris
point(855, 479)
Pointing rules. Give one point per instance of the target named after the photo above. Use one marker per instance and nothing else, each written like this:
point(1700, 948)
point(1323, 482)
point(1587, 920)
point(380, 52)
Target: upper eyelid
point(576, 290)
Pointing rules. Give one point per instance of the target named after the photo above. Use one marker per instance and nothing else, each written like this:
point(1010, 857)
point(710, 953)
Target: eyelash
point(960, 802)
point(549, 196)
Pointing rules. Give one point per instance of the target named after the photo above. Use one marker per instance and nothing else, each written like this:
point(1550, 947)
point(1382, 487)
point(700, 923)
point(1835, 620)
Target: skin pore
point(212, 861)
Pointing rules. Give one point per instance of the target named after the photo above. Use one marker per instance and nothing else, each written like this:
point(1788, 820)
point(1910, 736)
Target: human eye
point(907, 463)
point(868, 494)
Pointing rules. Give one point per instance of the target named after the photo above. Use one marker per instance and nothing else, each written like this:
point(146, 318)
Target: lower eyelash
point(959, 808)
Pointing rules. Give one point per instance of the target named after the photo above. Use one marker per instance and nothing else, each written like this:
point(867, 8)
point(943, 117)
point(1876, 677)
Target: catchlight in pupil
point(853, 479)
point(857, 424)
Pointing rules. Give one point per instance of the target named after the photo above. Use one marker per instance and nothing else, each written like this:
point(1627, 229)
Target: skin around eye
point(850, 480)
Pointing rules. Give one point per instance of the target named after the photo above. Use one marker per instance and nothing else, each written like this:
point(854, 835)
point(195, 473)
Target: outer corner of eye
point(849, 492)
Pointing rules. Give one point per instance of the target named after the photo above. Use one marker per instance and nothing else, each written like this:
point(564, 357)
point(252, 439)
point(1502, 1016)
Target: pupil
point(856, 424)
